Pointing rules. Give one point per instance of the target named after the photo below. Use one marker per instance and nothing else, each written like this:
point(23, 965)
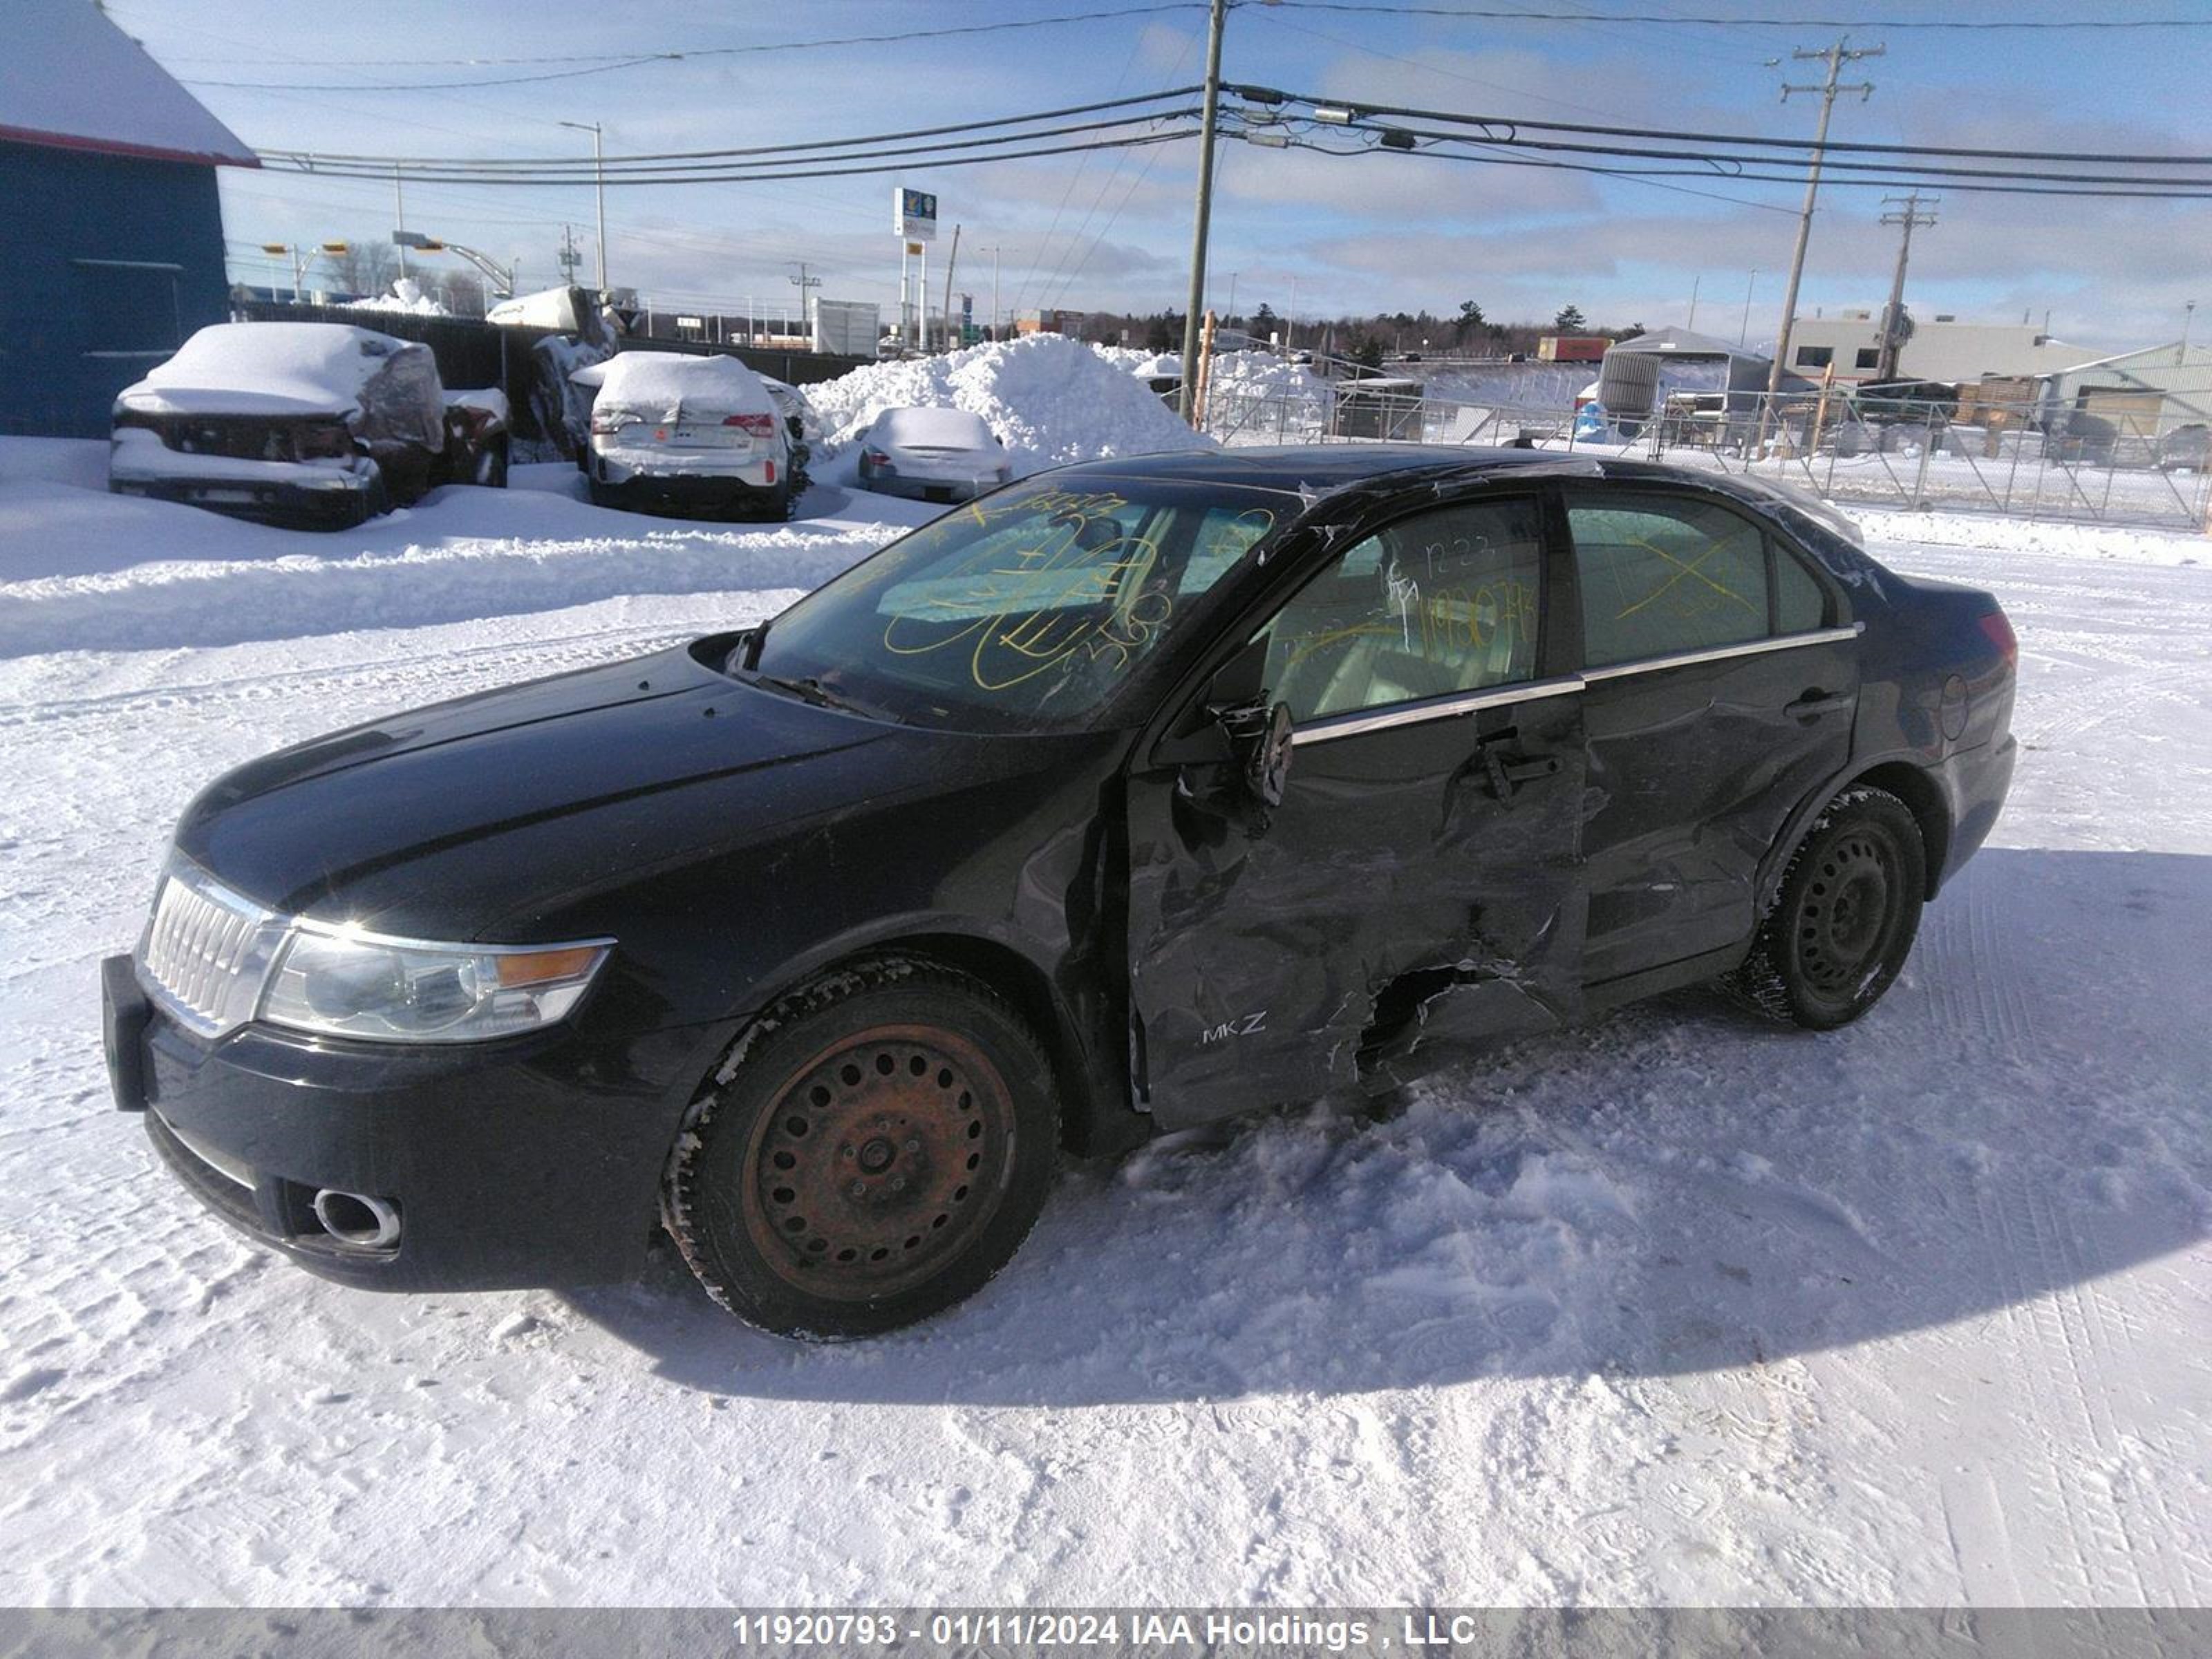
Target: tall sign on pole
point(914, 220)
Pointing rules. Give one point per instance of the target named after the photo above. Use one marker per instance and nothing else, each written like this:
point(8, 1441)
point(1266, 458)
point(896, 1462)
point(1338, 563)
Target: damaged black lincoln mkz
point(1127, 797)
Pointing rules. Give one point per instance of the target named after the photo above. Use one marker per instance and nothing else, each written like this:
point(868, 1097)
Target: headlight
point(351, 984)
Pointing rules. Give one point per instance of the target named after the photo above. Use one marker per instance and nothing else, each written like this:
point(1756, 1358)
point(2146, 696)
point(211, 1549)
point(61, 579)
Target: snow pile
point(1054, 400)
point(407, 297)
point(1988, 532)
point(1261, 377)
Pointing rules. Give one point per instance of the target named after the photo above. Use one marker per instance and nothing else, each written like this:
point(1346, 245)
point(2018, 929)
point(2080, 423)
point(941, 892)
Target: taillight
point(770, 466)
point(1998, 627)
point(875, 457)
point(605, 426)
point(759, 425)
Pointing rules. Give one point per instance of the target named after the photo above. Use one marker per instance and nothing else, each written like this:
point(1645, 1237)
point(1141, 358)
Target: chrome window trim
point(1723, 653)
point(1358, 723)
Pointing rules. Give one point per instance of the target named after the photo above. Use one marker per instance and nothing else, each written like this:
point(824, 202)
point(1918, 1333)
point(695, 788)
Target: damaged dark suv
point(1125, 797)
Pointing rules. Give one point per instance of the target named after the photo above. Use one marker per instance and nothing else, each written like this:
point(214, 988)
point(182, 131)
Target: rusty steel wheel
point(882, 1156)
point(875, 1147)
point(1846, 916)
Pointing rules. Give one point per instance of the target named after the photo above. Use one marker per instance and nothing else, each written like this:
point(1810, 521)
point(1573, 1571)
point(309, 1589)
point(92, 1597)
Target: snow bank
point(75, 575)
point(406, 296)
point(2131, 543)
point(1053, 399)
point(1261, 378)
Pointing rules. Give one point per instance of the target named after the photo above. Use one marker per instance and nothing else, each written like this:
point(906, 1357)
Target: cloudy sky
point(1321, 234)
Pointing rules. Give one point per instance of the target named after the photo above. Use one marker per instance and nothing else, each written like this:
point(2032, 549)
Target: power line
point(387, 162)
point(1392, 8)
point(608, 64)
point(1513, 124)
point(803, 171)
point(676, 174)
point(1719, 162)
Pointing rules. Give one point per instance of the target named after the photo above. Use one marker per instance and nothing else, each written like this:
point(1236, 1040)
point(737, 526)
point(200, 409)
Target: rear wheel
point(1845, 918)
point(875, 1147)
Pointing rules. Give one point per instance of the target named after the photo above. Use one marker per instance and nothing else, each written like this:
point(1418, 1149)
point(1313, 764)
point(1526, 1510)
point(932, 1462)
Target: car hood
point(451, 817)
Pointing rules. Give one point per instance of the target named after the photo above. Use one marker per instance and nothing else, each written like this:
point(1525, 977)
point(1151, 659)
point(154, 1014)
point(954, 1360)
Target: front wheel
point(1845, 920)
point(874, 1149)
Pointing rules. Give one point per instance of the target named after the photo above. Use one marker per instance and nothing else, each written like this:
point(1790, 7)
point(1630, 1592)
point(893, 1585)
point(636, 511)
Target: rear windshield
point(1032, 610)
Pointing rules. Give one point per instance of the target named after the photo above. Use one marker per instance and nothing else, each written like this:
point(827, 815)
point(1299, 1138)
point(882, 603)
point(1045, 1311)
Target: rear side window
point(1799, 605)
point(1444, 601)
point(1661, 574)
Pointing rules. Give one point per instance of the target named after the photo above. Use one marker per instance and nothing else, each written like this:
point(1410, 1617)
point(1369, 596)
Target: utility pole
point(1208, 117)
point(599, 187)
point(567, 258)
point(1835, 58)
point(1908, 215)
point(2188, 317)
point(951, 260)
point(802, 283)
point(399, 215)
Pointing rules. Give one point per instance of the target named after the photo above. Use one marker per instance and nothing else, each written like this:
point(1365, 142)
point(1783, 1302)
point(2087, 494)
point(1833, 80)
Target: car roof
point(1311, 470)
point(1307, 469)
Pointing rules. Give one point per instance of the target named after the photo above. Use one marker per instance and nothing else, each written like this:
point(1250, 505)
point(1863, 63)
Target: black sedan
point(1127, 797)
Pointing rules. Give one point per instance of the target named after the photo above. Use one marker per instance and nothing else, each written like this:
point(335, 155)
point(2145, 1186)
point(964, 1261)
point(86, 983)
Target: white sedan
point(933, 455)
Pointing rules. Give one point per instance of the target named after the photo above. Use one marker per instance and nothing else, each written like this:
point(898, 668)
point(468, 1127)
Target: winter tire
point(1843, 922)
point(873, 1149)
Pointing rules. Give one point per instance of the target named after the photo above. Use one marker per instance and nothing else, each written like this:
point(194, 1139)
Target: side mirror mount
point(1234, 743)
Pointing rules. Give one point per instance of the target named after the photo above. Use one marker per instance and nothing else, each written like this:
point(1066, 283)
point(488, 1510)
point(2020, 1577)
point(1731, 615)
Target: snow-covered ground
point(1682, 1308)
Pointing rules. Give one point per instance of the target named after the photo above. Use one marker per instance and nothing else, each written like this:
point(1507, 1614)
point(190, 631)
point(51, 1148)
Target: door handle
point(1815, 703)
point(1506, 776)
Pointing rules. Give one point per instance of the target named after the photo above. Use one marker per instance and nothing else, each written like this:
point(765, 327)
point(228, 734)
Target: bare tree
point(461, 292)
point(365, 268)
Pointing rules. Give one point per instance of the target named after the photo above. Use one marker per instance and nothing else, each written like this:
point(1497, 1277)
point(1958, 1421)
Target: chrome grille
point(206, 951)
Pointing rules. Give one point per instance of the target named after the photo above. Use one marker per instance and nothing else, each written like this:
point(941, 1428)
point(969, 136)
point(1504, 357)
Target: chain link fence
point(2150, 465)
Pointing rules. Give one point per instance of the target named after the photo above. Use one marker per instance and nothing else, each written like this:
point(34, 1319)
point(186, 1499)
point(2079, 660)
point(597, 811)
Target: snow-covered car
point(675, 432)
point(933, 455)
point(802, 423)
point(2186, 448)
point(317, 425)
point(1143, 793)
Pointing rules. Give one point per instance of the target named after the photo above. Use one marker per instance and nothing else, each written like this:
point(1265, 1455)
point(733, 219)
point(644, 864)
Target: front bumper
point(318, 507)
point(529, 1161)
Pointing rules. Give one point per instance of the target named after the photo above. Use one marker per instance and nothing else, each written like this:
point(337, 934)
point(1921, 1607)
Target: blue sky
point(1112, 229)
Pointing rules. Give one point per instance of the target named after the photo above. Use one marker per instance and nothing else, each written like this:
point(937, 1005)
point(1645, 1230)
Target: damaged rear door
point(1418, 880)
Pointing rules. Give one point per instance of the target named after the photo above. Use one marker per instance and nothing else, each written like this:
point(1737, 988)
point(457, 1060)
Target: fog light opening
point(357, 1222)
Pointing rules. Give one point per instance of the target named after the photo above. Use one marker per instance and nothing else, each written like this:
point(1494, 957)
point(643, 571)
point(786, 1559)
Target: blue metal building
point(110, 226)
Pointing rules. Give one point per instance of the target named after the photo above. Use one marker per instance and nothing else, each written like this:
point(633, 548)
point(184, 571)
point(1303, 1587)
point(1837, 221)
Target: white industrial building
point(1942, 349)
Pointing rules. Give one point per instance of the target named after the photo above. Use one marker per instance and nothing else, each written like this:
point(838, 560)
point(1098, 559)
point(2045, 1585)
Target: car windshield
point(1031, 610)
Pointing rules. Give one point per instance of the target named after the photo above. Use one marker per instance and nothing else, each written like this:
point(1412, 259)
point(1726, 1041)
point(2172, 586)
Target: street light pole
point(1208, 118)
point(599, 190)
